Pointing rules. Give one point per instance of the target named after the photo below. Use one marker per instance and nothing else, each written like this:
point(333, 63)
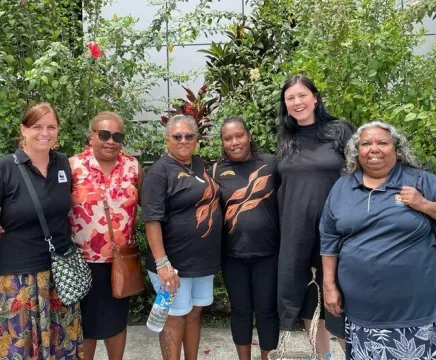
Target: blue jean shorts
point(192, 292)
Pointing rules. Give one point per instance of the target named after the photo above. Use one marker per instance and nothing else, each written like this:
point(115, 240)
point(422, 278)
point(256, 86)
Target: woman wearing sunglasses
point(180, 207)
point(104, 172)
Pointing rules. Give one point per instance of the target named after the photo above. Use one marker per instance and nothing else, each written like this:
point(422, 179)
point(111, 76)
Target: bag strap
point(109, 223)
point(214, 170)
point(36, 203)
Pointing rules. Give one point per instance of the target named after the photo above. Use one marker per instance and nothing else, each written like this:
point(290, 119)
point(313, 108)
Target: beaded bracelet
point(161, 261)
point(166, 264)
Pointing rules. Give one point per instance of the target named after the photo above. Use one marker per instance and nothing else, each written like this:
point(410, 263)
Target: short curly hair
point(404, 152)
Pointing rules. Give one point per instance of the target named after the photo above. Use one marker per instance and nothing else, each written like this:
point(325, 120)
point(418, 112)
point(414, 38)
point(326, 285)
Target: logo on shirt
point(62, 177)
point(182, 174)
point(228, 172)
point(246, 198)
point(398, 200)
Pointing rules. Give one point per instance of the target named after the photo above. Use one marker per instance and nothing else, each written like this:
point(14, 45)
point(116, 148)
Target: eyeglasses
point(187, 137)
point(105, 135)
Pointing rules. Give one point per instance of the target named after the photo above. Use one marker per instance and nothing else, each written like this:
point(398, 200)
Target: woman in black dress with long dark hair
point(310, 151)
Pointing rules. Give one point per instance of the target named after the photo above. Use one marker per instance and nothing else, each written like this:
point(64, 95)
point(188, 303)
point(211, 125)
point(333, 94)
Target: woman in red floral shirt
point(104, 172)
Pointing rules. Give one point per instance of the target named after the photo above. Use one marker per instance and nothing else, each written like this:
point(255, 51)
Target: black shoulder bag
point(71, 274)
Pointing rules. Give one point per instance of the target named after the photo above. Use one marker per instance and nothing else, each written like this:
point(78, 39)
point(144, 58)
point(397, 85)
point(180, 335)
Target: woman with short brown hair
point(34, 323)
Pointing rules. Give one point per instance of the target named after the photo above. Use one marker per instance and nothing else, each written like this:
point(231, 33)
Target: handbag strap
point(109, 224)
point(36, 202)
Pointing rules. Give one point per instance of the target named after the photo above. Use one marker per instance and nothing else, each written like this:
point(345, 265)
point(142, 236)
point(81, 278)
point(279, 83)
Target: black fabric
point(22, 247)
point(252, 287)
point(103, 315)
point(305, 184)
point(188, 208)
point(249, 203)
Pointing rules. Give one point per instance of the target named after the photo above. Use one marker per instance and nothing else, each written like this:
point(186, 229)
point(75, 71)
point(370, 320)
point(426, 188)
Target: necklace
point(188, 169)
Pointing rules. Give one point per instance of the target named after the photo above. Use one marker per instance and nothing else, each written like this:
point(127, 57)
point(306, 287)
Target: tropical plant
point(198, 106)
point(360, 54)
point(261, 40)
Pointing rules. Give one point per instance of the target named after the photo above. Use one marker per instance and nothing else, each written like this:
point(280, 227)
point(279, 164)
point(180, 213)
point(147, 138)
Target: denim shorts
point(192, 292)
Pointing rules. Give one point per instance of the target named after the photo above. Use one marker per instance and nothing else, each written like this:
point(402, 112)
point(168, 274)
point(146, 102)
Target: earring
point(55, 146)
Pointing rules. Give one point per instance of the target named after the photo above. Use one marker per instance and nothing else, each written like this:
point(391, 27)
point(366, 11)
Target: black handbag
point(71, 274)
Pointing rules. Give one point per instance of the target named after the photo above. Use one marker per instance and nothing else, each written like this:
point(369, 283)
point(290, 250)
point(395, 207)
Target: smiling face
point(42, 134)
point(377, 154)
point(300, 104)
point(106, 150)
point(236, 141)
point(182, 147)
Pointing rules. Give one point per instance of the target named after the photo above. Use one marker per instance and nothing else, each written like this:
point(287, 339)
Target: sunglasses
point(105, 135)
point(187, 137)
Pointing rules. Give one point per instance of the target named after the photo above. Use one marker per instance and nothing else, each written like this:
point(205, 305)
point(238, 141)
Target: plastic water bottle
point(159, 311)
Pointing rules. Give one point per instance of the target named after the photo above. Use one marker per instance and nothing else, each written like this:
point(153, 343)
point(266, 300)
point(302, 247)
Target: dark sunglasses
point(105, 135)
point(187, 137)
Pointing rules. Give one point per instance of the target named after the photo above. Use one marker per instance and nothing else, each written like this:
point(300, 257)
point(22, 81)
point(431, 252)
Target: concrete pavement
point(143, 344)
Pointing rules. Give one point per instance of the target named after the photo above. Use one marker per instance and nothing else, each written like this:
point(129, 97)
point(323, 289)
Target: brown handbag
point(126, 275)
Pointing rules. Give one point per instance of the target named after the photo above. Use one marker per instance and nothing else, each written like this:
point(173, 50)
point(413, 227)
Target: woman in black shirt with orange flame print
point(180, 207)
point(248, 183)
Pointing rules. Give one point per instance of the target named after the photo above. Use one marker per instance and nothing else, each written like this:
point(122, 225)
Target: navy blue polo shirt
point(23, 249)
point(386, 257)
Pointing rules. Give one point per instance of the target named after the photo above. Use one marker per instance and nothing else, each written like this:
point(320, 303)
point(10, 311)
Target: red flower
point(94, 49)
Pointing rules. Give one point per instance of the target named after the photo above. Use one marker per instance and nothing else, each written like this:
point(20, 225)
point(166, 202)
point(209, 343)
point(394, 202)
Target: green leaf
point(10, 59)
point(410, 117)
point(44, 79)
point(63, 80)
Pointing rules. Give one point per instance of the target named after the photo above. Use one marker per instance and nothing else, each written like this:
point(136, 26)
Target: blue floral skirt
point(34, 324)
point(413, 343)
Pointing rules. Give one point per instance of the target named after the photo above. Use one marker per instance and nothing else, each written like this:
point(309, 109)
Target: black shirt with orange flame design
point(187, 206)
point(249, 203)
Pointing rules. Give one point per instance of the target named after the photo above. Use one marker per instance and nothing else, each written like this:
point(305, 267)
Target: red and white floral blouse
point(87, 217)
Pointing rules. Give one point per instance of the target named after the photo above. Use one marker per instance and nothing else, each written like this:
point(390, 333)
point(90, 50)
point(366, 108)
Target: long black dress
point(306, 181)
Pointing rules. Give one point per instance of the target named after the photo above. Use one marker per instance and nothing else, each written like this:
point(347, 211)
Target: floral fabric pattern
point(34, 324)
point(87, 217)
point(414, 343)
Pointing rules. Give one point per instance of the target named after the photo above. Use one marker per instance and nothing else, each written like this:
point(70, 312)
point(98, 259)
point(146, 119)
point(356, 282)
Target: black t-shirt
point(23, 249)
point(188, 208)
point(249, 203)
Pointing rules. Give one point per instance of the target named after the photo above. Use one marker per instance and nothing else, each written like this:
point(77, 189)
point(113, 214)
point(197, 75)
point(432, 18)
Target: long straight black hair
point(328, 128)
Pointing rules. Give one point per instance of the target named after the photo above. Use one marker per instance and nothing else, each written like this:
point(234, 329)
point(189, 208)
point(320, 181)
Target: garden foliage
point(361, 55)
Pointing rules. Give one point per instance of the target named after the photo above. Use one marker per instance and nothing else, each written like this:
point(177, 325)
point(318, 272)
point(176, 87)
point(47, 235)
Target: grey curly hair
point(403, 151)
point(181, 118)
